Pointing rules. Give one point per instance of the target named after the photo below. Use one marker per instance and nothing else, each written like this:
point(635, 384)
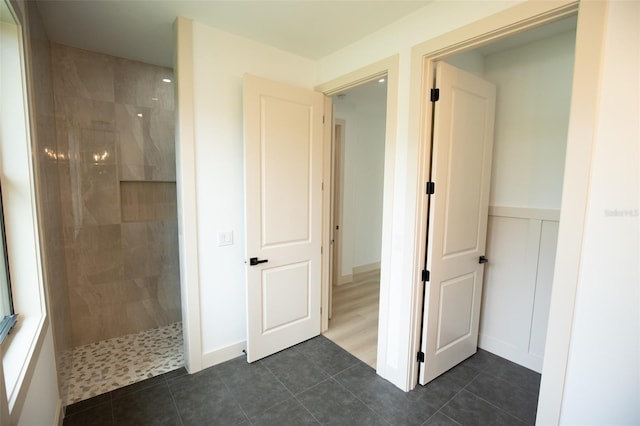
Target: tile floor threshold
point(110, 364)
point(317, 382)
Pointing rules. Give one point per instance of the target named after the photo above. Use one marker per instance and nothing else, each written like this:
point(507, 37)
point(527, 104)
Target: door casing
point(387, 68)
point(587, 69)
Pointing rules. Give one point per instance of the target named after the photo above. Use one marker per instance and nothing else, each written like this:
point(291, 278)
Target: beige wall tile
point(142, 84)
point(148, 201)
point(98, 253)
point(120, 237)
point(82, 74)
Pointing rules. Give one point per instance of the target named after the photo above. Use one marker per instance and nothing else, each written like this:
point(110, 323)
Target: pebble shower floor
point(111, 364)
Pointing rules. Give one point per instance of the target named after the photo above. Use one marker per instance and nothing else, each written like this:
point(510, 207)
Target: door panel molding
point(283, 148)
point(463, 125)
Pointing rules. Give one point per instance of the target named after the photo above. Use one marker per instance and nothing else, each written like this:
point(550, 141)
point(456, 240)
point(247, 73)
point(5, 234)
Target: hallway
point(354, 322)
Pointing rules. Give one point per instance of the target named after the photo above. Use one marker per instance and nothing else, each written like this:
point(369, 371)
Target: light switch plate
point(225, 238)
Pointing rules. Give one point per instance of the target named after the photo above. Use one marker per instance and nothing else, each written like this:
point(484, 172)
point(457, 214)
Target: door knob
point(254, 261)
point(482, 260)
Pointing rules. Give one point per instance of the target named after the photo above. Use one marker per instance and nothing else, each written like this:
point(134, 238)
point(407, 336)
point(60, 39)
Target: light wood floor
point(354, 322)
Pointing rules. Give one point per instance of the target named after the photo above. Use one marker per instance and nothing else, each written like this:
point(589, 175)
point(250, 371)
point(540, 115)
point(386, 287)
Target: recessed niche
point(144, 201)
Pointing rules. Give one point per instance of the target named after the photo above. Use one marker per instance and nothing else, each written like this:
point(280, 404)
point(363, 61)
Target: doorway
point(530, 266)
point(526, 189)
point(359, 131)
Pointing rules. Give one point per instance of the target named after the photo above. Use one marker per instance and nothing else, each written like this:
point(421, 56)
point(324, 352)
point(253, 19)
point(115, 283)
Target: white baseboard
point(347, 279)
point(366, 268)
point(221, 355)
point(510, 352)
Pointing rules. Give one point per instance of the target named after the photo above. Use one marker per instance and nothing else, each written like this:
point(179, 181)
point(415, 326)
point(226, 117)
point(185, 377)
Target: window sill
point(19, 355)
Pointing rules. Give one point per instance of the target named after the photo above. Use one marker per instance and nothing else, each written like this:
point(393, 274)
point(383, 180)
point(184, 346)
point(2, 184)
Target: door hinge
point(425, 275)
point(431, 188)
point(435, 95)
point(420, 356)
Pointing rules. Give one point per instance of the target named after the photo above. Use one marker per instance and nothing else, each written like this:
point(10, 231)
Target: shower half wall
point(116, 164)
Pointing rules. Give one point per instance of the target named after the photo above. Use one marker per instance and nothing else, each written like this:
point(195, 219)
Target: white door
point(283, 136)
point(461, 172)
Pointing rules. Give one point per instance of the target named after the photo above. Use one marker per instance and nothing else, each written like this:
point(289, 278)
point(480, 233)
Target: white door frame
point(387, 67)
point(587, 69)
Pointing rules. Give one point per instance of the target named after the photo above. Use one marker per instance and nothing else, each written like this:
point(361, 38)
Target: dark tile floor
point(317, 382)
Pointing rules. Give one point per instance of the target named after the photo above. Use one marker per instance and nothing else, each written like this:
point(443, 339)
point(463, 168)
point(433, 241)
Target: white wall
point(219, 62)
point(42, 405)
point(363, 181)
point(532, 116)
point(602, 382)
point(470, 61)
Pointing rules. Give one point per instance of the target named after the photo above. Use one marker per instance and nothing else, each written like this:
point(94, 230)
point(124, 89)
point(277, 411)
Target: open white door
point(461, 171)
point(283, 138)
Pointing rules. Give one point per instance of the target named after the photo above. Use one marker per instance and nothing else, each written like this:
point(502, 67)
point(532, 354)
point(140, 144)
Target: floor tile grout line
point(313, 387)
point(283, 385)
point(511, 383)
point(306, 408)
point(173, 399)
point(495, 406)
point(451, 399)
point(489, 402)
point(361, 401)
point(464, 388)
point(244, 412)
point(112, 411)
point(344, 370)
point(323, 369)
point(442, 414)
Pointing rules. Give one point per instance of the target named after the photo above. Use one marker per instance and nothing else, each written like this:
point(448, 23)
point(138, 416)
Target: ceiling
point(143, 29)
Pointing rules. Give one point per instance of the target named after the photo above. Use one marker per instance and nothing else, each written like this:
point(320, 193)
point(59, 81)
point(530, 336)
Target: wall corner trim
point(187, 195)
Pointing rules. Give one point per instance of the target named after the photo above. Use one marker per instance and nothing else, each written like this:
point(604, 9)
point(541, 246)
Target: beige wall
point(116, 158)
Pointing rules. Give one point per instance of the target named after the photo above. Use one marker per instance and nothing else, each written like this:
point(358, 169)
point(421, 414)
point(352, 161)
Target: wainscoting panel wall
point(521, 248)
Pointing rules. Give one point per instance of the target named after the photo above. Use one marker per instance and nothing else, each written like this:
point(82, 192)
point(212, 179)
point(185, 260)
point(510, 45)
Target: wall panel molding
point(521, 247)
point(525, 213)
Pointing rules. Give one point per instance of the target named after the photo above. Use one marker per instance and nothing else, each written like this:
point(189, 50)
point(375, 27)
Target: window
point(22, 348)
point(7, 314)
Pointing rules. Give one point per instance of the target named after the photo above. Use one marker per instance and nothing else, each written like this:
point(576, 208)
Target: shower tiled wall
point(115, 140)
